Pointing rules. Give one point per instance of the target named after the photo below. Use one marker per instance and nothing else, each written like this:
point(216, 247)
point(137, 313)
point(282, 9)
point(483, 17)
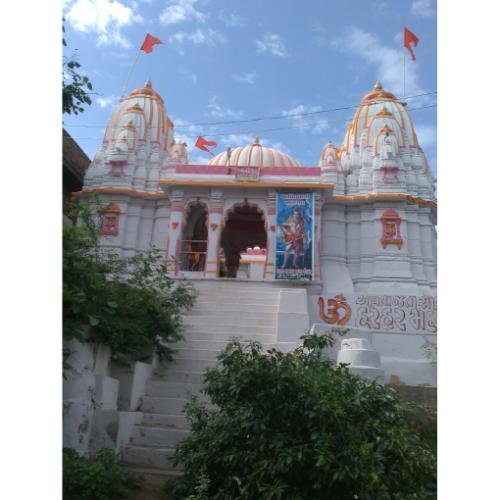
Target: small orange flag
point(149, 42)
point(410, 38)
point(202, 144)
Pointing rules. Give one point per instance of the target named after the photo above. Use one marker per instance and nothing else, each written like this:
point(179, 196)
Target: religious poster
point(294, 236)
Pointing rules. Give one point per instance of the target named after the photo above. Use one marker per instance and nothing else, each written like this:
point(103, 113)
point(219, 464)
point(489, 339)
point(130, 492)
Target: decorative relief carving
point(331, 315)
point(396, 313)
point(391, 235)
point(110, 218)
point(213, 226)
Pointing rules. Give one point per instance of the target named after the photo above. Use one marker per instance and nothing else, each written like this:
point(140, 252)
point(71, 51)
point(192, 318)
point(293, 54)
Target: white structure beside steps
point(372, 245)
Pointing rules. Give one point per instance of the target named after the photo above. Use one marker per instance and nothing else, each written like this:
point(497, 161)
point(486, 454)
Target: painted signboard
point(294, 236)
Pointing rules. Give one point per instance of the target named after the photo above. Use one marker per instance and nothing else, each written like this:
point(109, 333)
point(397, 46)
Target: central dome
point(254, 155)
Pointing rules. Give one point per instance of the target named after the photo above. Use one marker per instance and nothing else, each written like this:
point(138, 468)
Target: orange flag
point(410, 38)
point(149, 42)
point(202, 143)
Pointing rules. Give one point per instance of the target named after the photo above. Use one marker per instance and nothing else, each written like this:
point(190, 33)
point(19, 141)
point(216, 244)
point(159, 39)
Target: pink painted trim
point(200, 169)
point(177, 209)
point(271, 211)
point(216, 211)
point(292, 171)
point(224, 170)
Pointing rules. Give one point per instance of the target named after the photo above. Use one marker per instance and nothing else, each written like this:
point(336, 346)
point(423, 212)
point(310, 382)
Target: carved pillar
point(269, 268)
point(175, 230)
point(214, 233)
point(318, 206)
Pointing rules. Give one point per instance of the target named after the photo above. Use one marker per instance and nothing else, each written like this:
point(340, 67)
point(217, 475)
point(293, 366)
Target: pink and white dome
point(254, 155)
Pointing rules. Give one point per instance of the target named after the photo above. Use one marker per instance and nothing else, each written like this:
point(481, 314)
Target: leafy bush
point(129, 304)
point(97, 478)
point(294, 426)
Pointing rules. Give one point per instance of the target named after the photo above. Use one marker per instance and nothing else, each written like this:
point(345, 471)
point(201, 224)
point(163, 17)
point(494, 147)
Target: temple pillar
point(175, 231)
point(270, 266)
point(214, 234)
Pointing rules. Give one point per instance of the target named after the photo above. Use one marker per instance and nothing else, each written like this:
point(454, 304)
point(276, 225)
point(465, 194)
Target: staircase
point(223, 309)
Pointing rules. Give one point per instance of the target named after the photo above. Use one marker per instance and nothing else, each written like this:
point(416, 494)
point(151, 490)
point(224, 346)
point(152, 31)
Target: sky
point(225, 60)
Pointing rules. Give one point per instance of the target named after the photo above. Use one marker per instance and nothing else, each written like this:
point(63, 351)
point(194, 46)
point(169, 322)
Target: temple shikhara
point(276, 248)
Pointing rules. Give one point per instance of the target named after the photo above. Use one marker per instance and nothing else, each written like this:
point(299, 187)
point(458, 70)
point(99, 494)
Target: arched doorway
point(194, 238)
point(244, 227)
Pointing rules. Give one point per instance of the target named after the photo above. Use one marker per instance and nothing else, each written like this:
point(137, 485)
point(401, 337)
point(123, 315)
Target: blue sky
point(233, 60)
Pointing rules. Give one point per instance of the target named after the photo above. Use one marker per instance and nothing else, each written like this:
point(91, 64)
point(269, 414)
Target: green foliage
point(97, 478)
point(129, 304)
point(75, 86)
point(295, 426)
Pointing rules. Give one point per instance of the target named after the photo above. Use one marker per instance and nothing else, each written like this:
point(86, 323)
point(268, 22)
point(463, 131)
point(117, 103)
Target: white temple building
point(372, 241)
point(275, 250)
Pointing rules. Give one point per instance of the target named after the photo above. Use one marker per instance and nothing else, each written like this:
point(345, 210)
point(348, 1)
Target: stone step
point(244, 315)
point(212, 323)
point(171, 375)
point(156, 437)
point(188, 353)
point(146, 457)
point(209, 344)
point(227, 329)
point(165, 389)
point(205, 305)
point(195, 334)
point(166, 405)
point(167, 421)
point(172, 406)
point(241, 296)
point(188, 365)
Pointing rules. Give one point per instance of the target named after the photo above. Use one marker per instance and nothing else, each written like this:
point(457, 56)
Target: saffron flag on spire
point(149, 42)
point(202, 143)
point(410, 38)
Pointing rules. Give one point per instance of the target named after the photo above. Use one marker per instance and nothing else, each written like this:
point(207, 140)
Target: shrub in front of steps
point(96, 478)
point(129, 304)
point(295, 426)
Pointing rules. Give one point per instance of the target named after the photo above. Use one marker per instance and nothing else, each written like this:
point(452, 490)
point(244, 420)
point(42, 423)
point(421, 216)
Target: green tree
point(75, 87)
point(130, 304)
point(294, 426)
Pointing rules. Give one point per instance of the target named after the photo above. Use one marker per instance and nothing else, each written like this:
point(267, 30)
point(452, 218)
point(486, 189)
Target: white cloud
point(217, 111)
point(208, 37)
point(426, 134)
point(178, 11)
point(387, 59)
point(106, 18)
point(423, 8)
point(236, 140)
point(105, 102)
point(246, 77)
point(273, 44)
point(231, 20)
point(313, 124)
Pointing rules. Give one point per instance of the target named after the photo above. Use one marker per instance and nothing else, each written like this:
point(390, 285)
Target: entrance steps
point(223, 310)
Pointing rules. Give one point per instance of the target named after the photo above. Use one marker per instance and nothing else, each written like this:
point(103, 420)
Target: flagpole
point(404, 75)
point(130, 72)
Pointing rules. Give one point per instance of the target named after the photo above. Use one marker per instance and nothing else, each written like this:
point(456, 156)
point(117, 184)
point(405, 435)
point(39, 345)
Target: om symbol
point(331, 316)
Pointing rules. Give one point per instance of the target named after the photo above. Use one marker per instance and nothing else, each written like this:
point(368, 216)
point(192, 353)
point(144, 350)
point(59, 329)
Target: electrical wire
point(275, 129)
point(278, 117)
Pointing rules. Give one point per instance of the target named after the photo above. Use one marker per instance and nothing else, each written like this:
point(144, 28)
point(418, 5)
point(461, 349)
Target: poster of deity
point(294, 236)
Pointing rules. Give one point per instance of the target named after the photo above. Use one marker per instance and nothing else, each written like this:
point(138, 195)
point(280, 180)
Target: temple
point(348, 243)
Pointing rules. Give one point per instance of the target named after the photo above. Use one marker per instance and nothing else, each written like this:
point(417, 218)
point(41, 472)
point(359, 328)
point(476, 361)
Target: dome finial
point(377, 86)
point(148, 84)
point(256, 140)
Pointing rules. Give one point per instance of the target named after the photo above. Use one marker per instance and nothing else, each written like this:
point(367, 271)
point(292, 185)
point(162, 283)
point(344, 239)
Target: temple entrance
point(193, 252)
point(244, 229)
